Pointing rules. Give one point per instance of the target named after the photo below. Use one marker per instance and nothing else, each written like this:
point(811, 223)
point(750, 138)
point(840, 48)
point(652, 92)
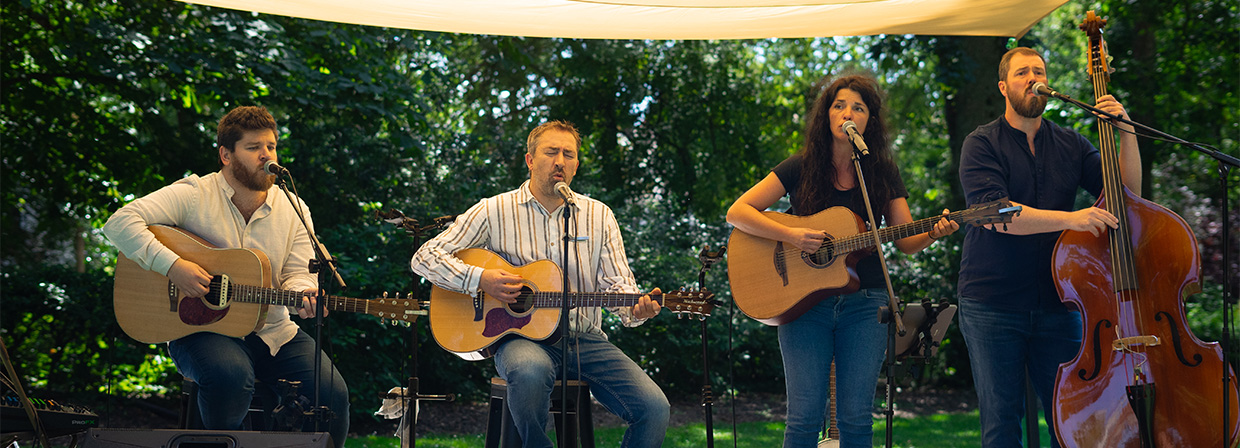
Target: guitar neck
point(554, 299)
point(865, 240)
point(281, 297)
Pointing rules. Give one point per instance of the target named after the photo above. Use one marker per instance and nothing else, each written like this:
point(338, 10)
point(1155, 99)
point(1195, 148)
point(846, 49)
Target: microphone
point(273, 168)
point(851, 129)
point(562, 189)
point(1045, 90)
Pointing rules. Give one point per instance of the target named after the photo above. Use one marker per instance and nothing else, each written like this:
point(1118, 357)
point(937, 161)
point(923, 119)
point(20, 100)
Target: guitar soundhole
point(824, 257)
point(525, 301)
point(213, 299)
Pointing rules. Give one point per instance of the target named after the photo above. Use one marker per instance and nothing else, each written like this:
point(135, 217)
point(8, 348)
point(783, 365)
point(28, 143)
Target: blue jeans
point(844, 328)
point(225, 369)
point(530, 368)
point(1004, 345)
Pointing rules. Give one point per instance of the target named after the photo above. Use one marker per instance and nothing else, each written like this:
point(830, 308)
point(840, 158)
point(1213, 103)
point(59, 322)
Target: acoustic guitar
point(470, 326)
point(150, 309)
point(775, 284)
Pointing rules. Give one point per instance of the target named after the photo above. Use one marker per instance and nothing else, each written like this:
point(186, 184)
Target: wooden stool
point(255, 420)
point(502, 433)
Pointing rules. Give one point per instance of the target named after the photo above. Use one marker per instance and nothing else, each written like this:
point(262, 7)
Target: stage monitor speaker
point(194, 438)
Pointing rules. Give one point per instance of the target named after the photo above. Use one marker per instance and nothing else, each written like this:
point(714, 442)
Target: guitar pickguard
point(194, 311)
point(781, 266)
point(499, 320)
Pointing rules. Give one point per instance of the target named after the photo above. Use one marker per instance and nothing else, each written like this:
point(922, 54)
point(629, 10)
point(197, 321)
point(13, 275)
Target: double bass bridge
point(1124, 344)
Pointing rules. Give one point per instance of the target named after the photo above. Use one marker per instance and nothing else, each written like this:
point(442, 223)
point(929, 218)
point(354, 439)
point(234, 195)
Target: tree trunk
point(969, 67)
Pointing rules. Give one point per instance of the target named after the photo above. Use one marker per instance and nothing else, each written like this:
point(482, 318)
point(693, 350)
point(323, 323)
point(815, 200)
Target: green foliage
point(62, 336)
point(107, 101)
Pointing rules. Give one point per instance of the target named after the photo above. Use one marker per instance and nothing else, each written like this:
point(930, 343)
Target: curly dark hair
point(818, 171)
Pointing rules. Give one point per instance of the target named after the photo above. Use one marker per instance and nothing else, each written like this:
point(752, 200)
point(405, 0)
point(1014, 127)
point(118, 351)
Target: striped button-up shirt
point(518, 228)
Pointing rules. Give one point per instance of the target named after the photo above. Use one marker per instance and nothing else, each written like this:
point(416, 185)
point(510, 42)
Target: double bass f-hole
point(1096, 335)
point(1175, 340)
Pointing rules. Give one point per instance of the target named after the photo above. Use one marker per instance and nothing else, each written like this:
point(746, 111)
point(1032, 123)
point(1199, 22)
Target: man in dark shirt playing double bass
point(1011, 316)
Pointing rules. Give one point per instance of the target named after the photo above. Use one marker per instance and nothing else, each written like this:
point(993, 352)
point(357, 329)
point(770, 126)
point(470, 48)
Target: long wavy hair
point(818, 172)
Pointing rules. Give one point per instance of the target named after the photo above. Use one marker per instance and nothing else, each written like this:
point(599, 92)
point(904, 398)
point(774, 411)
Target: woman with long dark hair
point(842, 328)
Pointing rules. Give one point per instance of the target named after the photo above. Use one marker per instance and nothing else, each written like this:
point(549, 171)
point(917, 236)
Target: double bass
point(1141, 379)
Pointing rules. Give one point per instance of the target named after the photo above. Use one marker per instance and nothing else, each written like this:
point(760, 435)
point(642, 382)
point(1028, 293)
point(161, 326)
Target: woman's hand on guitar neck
point(943, 228)
point(500, 284)
point(189, 278)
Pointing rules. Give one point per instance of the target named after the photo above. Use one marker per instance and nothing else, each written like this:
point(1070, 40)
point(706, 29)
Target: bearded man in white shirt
point(237, 207)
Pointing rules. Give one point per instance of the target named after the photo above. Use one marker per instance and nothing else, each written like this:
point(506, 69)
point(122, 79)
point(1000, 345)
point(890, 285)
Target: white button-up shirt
point(203, 206)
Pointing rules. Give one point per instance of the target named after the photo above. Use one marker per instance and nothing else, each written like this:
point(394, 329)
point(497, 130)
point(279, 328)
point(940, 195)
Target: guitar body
point(774, 285)
point(149, 309)
point(460, 329)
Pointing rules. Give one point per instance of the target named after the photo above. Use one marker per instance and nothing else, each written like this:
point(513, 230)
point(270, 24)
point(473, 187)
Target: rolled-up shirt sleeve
point(127, 228)
point(295, 274)
point(436, 260)
point(614, 272)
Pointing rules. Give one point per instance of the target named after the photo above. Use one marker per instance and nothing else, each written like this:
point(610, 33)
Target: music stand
point(929, 323)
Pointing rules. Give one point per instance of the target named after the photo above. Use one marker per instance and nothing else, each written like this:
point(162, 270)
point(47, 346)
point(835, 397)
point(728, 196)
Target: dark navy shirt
point(868, 269)
point(1013, 272)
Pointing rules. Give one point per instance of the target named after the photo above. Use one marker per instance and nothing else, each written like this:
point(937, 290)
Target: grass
point(958, 430)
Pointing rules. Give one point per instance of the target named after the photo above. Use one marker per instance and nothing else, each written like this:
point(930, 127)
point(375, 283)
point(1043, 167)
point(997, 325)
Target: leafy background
point(105, 101)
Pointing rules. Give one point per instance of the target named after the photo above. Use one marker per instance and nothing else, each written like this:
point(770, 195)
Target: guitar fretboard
point(553, 299)
point(272, 296)
point(865, 240)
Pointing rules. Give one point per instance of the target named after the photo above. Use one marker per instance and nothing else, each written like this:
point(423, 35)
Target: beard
point(1031, 107)
point(252, 179)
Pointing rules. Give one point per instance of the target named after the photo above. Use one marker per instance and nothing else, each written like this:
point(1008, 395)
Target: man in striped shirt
point(526, 225)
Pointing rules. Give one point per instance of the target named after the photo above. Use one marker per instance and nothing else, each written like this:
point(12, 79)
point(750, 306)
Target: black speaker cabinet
point(195, 438)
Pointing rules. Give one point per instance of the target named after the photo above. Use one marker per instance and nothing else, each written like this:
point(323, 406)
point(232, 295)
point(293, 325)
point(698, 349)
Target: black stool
point(257, 419)
point(502, 432)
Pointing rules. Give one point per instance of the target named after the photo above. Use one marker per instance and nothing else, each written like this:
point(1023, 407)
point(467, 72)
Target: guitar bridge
point(781, 266)
point(478, 305)
point(174, 297)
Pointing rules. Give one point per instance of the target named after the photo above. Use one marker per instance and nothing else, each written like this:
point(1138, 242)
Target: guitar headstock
point(696, 302)
point(396, 309)
point(994, 212)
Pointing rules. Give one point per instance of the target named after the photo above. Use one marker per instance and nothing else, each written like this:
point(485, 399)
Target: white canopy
point(672, 19)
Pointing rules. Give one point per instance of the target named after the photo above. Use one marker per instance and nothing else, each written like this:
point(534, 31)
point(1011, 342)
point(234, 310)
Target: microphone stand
point(1225, 163)
point(564, 309)
point(890, 314)
point(324, 265)
point(412, 392)
point(707, 258)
